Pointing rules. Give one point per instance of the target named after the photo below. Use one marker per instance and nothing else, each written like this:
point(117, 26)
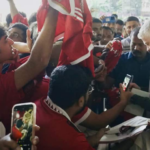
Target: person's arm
point(40, 53)
point(94, 140)
point(98, 121)
point(111, 79)
point(24, 47)
point(13, 9)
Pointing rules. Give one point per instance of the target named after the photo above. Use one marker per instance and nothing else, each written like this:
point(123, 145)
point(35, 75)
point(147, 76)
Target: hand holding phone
point(128, 79)
point(22, 125)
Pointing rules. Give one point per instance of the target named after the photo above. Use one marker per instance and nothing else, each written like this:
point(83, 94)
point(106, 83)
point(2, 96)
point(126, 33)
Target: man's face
point(119, 29)
point(107, 36)
point(138, 48)
point(5, 49)
point(97, 29)
point(16, 35)
point(130, 26)
point(111, 25)
point(146, 41)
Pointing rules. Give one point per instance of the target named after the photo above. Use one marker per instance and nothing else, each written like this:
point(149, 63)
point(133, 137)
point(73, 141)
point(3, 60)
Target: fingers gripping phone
point(127, 80)
point(22, 122)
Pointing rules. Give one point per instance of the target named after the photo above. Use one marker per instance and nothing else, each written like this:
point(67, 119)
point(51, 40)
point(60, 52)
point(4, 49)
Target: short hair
point(132, 18)
point(68, 84)
point(135, 32)
point(32, 18)
point(34, 31)
point(9, 19)
point(107, 28)
point(120, 22)
point(22, 27)
point(96, 20)
point(2, 31)
point(115, 15)
point(145, 30)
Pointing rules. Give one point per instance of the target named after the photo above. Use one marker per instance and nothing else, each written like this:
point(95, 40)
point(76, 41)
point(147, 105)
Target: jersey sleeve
point(9, 95)
point(21, 19)
point(78, 119)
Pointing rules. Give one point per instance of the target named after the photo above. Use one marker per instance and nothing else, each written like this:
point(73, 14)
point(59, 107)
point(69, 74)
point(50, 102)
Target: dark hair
point(107, 28)
point(34, 31)
point(115, 15)
point(132, 18)
point(32, 18)
point(120, 22)
point(22, 27)
point(2, 31)
point(96, 20)
point(69, 83)
point(9, 19)
point(135, 32)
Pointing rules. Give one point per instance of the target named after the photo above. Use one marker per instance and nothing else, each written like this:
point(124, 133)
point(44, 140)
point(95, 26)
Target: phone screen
point(22, 124)
point(126, 82)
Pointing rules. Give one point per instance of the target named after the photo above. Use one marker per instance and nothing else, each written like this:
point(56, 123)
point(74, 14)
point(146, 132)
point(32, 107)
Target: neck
point(70, 111)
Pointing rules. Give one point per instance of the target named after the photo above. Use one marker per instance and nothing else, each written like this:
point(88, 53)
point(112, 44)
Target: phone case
point(22, 124)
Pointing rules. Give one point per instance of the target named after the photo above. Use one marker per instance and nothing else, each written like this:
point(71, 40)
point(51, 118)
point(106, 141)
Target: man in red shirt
point(12, 83)
point(16, 16)
point(68, 95)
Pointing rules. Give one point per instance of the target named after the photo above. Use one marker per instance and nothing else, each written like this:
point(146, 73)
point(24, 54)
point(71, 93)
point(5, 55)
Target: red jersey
point(75, 26)
point(57, 130)
point(10, 96)
point(19, 18)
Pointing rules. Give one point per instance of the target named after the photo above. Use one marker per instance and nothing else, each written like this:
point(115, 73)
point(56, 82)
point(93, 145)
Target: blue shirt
point(129, 65)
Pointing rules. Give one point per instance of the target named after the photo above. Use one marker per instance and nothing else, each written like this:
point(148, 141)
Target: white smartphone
point(22, 123)
point(127, 80)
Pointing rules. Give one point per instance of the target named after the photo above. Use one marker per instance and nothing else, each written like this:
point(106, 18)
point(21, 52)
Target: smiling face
point(5, 49)
point(107, 36)
point(130, 25)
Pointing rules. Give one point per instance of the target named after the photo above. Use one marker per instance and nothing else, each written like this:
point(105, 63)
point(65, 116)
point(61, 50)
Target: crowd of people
point(38, 66)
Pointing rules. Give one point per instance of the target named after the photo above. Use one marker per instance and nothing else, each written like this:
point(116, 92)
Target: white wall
point(27, 6)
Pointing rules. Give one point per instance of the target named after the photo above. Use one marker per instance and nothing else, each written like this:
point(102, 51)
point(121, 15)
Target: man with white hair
point(144, 34)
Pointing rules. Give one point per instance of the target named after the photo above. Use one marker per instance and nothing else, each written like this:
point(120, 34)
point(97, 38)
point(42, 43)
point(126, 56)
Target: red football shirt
point(56, 129)
point(19, 18)
point(9, 95)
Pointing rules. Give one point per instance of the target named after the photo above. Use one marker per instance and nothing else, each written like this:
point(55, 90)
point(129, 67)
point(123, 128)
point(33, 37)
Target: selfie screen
point(125, 83)
point(22, 126)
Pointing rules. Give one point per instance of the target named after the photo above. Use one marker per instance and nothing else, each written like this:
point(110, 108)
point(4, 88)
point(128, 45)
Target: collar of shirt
point(130, 55)
point(56, 108)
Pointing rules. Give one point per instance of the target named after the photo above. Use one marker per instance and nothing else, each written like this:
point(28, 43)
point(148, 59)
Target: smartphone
point(22, 122)
point(110, 19)
point(128, 79)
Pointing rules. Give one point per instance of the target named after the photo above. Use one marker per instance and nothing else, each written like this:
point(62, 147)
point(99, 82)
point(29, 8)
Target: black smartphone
point(127, 80)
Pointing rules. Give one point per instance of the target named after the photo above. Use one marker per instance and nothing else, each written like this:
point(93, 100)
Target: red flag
point(75, 26)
